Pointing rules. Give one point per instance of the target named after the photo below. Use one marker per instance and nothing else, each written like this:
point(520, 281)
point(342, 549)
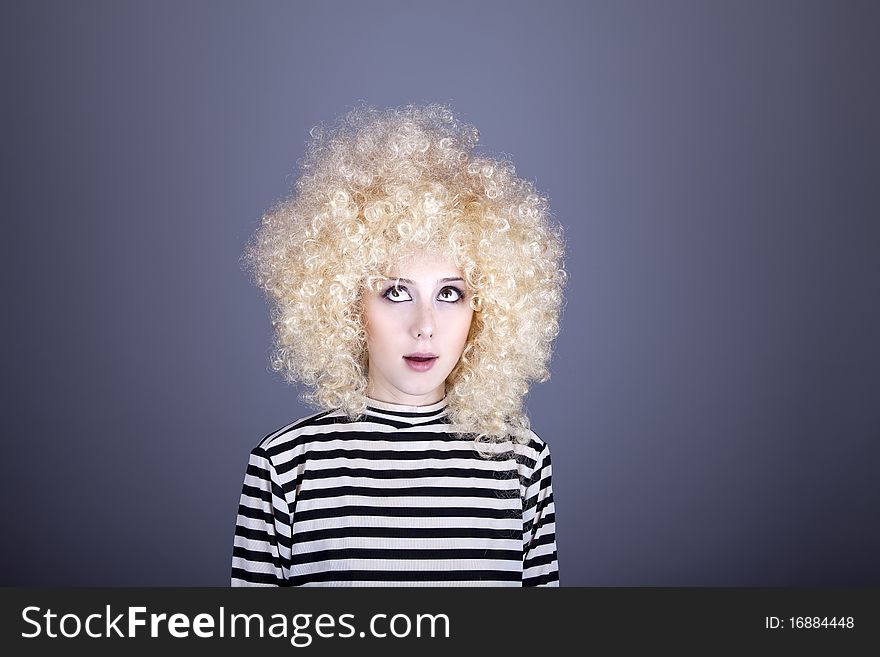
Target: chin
point(421, 388)
point(418, 390)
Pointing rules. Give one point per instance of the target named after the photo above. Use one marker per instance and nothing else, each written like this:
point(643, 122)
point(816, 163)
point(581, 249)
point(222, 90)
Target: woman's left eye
point(458, 294)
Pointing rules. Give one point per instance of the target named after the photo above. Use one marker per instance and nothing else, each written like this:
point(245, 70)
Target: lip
point(420, 366)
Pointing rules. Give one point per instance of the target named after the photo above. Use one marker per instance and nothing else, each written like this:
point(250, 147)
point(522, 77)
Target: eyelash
point(387, 292)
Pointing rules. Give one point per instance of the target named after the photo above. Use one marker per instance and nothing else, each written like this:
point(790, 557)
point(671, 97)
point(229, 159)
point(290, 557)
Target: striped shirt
point(393, 499)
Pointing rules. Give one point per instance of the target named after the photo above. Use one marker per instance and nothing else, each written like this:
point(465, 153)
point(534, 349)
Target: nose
point(423, 325)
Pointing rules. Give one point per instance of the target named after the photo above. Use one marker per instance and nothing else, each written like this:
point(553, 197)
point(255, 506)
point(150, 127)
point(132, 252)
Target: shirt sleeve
point(540, 567)
point(261, 547)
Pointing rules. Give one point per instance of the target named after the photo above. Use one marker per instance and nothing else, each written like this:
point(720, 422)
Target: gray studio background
point(713, 412)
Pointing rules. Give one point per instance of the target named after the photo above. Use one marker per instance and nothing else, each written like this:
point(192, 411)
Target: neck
point(396, 397)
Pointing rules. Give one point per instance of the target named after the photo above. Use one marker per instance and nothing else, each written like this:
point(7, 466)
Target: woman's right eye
point(396, 290)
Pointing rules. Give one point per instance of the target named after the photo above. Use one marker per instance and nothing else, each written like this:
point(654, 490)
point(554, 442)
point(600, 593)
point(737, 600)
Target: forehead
point(424, 265)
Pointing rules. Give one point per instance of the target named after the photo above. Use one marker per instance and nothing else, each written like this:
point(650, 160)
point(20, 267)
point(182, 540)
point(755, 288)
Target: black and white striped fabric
point(393, 499)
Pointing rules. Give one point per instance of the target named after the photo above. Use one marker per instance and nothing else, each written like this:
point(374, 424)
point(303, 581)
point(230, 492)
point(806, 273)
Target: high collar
point(406, 413)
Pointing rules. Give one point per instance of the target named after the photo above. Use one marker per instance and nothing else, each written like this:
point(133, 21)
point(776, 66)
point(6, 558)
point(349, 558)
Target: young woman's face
point(425, 313)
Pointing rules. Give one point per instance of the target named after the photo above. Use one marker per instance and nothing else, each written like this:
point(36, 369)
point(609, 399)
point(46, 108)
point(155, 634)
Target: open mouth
point(420, 363)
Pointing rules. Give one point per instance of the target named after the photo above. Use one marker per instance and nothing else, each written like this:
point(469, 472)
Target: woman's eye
point(456, 296)
point(394, 292)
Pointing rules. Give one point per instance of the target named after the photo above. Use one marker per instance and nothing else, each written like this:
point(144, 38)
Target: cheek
point(380, 325)
point(463, 325)
point(374, 318)
point(383, 331)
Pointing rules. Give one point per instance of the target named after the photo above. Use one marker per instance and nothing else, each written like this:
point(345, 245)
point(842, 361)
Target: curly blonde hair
point(378, 186)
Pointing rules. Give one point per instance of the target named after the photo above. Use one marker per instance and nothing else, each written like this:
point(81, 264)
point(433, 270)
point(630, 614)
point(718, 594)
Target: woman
point(415, 289)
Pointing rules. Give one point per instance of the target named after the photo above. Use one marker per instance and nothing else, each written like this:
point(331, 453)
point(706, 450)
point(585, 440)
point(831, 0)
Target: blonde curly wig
point(378, 186)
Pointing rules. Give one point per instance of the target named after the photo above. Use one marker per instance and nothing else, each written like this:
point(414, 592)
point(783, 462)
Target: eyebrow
point(406, 280)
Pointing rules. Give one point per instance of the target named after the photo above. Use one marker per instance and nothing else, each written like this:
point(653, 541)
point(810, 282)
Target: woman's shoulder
point(288, 435)
point(530, 442)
